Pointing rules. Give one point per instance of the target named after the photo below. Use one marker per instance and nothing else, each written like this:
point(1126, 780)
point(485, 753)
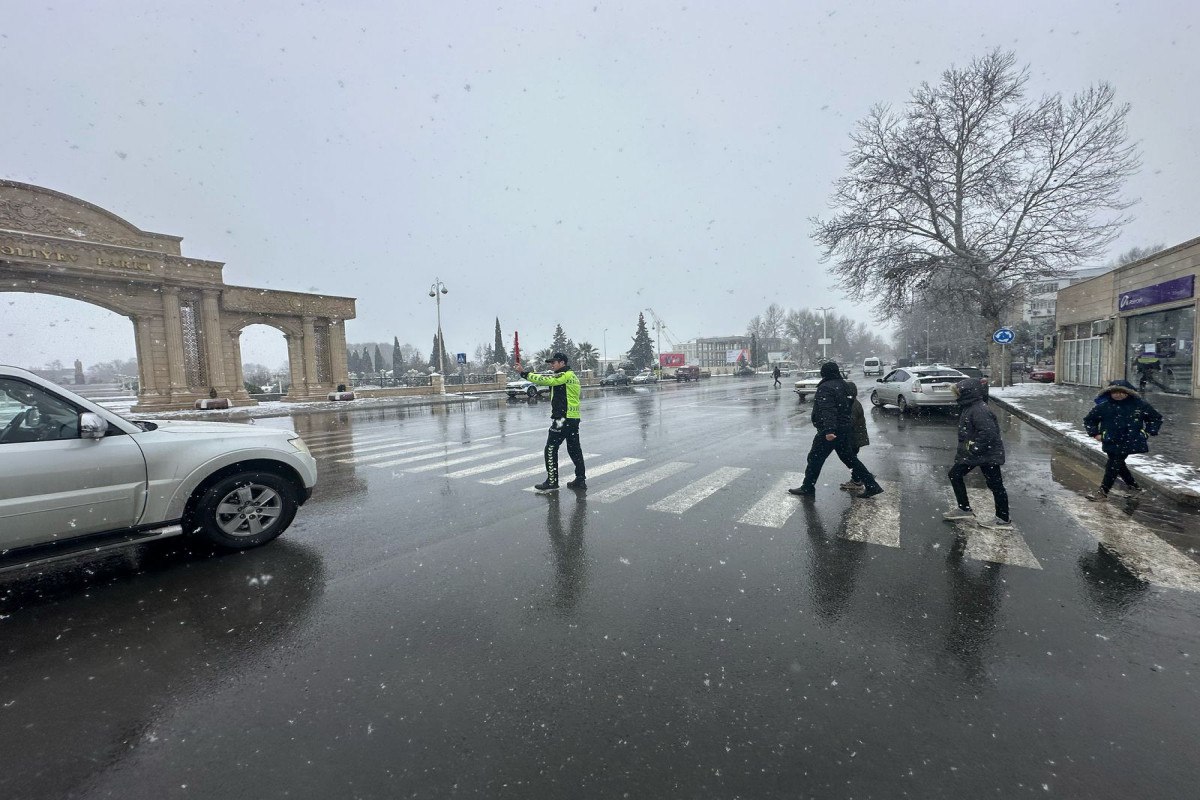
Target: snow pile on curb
point(1182, 478)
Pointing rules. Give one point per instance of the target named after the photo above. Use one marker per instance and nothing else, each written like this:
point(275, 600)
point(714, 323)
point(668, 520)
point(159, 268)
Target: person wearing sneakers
point(861, 438)
point(1120, 420)
point(979, 445)
point(835, 433)
point(564, 422)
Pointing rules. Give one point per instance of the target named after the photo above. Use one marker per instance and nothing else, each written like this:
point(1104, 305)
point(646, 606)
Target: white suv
point(76, 478)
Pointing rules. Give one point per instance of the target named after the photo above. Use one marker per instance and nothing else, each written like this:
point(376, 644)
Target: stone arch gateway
point(187, 321)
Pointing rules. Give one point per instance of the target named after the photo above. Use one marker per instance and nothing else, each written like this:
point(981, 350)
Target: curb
point(1181, 496)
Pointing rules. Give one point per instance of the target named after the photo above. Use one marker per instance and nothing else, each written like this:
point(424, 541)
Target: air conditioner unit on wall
point(1102, 327)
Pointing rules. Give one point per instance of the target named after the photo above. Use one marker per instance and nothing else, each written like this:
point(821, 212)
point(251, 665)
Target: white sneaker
point(959, 513)
point(995, 522)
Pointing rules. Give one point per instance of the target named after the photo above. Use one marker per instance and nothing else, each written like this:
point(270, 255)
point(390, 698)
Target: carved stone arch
point(187, 320)
point(92, 295)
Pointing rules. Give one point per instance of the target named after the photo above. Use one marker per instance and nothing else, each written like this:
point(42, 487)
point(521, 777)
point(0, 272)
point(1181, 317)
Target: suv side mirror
point(879, 380)
point(92, 426)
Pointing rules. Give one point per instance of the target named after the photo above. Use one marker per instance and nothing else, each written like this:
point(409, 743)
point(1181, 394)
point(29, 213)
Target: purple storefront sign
point(1170, 291)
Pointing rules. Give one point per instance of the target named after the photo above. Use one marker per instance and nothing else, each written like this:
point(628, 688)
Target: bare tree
point(979, 188)
point(1135, 254)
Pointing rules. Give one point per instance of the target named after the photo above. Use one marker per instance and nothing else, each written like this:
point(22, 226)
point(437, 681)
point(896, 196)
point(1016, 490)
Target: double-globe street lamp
point(436, 291)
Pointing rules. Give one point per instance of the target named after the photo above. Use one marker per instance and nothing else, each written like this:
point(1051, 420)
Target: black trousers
point(995, 482)
point(1116, 468)
point(570, 433)
point(777, 383)
point(843, 445)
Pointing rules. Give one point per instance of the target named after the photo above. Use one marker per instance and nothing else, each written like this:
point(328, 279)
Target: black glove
point(524, 373)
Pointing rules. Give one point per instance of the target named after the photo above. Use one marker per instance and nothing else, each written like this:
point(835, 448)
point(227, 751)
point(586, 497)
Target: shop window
point(1160, 349)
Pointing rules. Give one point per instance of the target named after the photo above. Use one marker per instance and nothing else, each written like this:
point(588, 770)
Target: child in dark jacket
point(861, 438)
point(1120, 420)
point(979, 445)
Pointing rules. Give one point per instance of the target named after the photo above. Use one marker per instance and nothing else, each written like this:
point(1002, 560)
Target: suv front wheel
point(246, 509)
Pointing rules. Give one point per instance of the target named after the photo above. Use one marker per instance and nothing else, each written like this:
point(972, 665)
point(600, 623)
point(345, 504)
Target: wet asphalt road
point(421, 632)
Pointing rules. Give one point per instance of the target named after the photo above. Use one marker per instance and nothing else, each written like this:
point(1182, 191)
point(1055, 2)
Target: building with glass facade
point(1137, 322)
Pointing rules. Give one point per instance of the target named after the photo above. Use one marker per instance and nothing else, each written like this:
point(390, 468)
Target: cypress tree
point(642, 352)
point(498, 351)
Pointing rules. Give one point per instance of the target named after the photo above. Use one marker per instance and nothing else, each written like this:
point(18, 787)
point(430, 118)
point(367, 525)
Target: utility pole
point(436, 291)
point(824, 331)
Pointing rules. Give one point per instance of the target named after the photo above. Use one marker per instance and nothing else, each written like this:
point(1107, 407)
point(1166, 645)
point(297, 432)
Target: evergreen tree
point(397, 356)
point(352, 361)
point(446, 359)
point(368, 364)
point(559, 343)
point(499, 354)
point(379, 365)
point(641, 355)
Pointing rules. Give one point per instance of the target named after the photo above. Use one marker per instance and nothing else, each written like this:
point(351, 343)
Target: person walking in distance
point(775, 373)
point(564, 422)
point(835, 433)
point(979, 445)
point(1120, 420)
point(858, 419)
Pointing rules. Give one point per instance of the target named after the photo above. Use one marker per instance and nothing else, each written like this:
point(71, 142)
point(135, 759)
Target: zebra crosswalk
point(680, 487)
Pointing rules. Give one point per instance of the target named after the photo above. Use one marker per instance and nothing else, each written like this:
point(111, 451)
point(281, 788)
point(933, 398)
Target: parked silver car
point(912, 387)
point(77, 478)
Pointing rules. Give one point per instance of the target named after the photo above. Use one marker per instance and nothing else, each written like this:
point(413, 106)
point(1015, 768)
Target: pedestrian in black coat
point(831, 416)
point(1121, 421)
point(979, 445)
point(775, 373)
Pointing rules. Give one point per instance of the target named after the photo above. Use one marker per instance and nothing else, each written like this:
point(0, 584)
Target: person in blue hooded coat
point(979, 445)
point(1121, 421)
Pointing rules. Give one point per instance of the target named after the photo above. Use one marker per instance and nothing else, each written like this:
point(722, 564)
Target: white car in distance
point(807, 384)
point(76, 478)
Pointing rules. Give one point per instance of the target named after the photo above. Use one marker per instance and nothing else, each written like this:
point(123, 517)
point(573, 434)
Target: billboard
point(774, 355)
point(732, 356)
point(671, 359)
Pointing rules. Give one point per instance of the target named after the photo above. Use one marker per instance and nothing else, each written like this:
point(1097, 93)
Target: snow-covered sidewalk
point(1170, 466)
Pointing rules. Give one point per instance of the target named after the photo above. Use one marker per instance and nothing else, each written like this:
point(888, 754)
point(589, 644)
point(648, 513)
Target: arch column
point(299, 386)
point(174, 339)
point(339, 369)
point(309, 348)
point(210, 323)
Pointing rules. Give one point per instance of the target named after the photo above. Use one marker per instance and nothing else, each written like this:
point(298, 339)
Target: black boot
point(547, 486)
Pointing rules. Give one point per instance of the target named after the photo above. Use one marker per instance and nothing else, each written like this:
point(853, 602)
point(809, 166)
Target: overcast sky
point(570, 162)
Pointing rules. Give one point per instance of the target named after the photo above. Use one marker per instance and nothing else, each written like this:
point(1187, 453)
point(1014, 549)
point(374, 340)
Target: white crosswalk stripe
point(535, 472)
point(1139, 550)
point(395, 451)
point(875, 520)
point(693, 493)
point(462, 460)
point(325, 438)
point(593, 471)
point(998, 545)
point(495, 465)
point(638, 482)
point(775, 507)
point(354, 448)
point(396, 462)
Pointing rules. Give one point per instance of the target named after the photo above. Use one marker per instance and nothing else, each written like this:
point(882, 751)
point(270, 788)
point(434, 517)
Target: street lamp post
point(824, 331)
point(436, 291)
point(604, 336)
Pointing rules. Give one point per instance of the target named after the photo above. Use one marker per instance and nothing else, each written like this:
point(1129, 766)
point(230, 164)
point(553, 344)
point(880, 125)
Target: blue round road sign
point(1003, 336)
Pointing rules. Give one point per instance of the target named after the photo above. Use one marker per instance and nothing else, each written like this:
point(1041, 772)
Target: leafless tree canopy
point(978, 189)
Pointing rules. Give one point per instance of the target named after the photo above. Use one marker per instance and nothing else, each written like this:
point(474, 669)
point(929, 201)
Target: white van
point(872, 366)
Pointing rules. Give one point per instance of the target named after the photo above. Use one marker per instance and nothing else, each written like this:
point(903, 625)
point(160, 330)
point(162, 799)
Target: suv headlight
point(299, 444)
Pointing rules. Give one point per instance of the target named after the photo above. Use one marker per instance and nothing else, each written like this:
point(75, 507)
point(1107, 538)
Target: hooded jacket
point(1124, 424)
point(832, 403)
point(858, 417)
point(979, 440)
